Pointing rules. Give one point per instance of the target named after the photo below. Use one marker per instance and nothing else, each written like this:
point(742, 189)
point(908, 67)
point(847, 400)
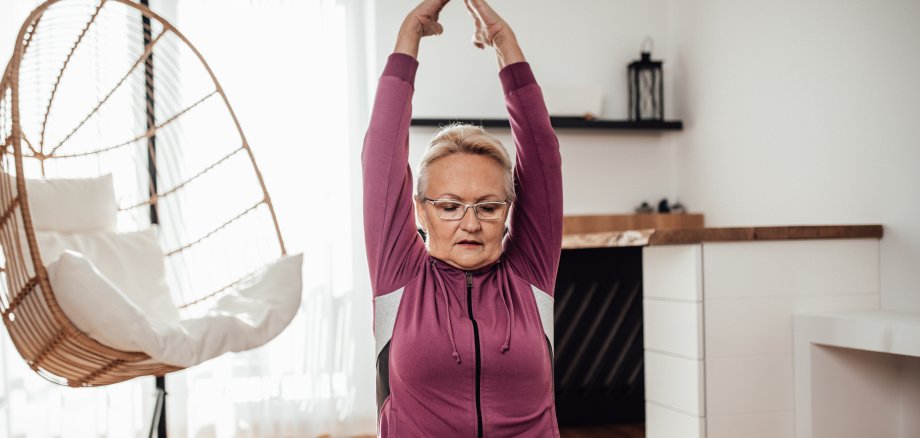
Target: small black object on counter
point(663, 206)
point(645, 208)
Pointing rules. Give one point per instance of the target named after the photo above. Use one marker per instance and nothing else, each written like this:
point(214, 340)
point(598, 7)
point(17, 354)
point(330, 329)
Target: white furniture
point(718, 328)
point(857, 375)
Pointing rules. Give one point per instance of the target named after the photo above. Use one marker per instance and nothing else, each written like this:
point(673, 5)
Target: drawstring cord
point(509, 315)
point(450, 325)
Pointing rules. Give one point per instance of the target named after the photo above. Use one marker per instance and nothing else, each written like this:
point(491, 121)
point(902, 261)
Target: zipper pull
point(469, 279)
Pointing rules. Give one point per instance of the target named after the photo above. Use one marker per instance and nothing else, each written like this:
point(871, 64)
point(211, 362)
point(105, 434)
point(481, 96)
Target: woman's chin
point(470, 261)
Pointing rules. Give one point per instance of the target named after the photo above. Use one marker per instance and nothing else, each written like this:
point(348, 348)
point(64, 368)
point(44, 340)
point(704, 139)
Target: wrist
point(504, 39)
point(507, 49)
point(407, 41)
point(407, 47)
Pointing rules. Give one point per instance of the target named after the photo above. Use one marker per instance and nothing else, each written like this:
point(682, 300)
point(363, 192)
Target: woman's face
point(468, 243)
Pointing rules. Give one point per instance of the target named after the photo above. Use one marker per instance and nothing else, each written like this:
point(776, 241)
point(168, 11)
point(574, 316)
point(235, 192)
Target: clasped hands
point(490, 29)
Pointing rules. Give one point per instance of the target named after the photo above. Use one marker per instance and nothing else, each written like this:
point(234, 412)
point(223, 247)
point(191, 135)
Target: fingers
point(483, 10)
point(469, 8)
point(477, 17)
point(431, 7)
point(479, 38)
point(423, 20)
point(441, 5)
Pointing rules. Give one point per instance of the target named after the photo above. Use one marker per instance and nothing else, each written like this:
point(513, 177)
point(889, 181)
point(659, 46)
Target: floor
point(611, 431)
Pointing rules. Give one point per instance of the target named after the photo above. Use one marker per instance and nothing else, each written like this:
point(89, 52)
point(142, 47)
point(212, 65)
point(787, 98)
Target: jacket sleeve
point(534, 241)
point(394, 248)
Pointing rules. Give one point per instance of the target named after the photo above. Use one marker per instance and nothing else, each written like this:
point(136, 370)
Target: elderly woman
point(463, 320)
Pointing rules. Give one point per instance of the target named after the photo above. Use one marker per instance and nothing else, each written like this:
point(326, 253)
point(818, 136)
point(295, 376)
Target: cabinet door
point(674, 347)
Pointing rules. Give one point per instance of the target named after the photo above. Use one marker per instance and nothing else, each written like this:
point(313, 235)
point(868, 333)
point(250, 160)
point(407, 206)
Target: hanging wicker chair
point(110, 87)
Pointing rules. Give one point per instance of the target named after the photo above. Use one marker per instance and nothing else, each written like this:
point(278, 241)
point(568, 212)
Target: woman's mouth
point(469, 244)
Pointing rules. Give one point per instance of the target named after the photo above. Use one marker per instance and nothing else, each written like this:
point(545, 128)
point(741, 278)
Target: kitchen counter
point(716, 306)
point(683, 236)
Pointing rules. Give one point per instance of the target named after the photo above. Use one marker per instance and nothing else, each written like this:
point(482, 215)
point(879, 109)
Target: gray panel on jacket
point(545, 308)
point(385, 308)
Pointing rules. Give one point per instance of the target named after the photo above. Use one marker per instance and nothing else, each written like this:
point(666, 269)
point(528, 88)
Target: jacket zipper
point(469, 307)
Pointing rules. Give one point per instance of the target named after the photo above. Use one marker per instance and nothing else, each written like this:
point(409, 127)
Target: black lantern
point(646, 86)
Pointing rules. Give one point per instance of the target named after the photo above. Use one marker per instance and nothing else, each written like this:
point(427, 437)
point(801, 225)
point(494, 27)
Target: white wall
point(804, 113)
point(795, 112)
point(591, 46)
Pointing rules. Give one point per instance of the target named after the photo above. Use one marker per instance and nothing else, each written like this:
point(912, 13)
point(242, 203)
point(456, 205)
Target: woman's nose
point(469, 222)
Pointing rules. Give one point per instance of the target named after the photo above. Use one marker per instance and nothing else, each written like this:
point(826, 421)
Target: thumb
point(430, 28)
point(477, 41)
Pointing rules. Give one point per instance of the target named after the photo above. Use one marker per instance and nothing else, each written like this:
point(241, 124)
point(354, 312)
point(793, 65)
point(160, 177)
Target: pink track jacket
point(463, 353)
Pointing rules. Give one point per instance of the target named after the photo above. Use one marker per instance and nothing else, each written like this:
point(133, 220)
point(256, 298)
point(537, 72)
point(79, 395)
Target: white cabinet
point(718, 328)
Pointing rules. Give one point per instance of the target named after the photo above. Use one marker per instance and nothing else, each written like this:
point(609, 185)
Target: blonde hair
point(459, 138)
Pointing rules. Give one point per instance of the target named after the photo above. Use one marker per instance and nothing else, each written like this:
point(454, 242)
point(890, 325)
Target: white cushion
point(133, 262)
point(96, 306)
point(70, 205)
point(244, 317)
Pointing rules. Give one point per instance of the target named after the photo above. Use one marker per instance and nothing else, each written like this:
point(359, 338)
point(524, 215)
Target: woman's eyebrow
point(487, 198)
point(453, 197)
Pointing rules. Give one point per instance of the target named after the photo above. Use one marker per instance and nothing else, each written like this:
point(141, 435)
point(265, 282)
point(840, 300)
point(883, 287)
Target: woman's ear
point(421, 218)
point(421, 215)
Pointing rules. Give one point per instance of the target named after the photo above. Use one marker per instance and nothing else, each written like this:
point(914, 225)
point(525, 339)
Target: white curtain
point(293, 72)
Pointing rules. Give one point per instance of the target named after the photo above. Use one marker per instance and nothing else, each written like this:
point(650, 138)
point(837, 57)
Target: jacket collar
point(444, 266)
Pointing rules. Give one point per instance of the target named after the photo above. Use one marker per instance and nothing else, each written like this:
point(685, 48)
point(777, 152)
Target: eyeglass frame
point(466, 207)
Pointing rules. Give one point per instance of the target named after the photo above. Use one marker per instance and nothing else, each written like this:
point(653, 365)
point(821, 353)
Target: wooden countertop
point(650, 237)
point(741, 234)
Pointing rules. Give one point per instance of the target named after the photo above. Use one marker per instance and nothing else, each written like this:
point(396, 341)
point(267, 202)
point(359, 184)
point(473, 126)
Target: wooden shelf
point(624, 222)
point(566, 123)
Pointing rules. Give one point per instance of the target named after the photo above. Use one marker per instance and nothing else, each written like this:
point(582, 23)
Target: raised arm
point(534, 241)
point(394, 249)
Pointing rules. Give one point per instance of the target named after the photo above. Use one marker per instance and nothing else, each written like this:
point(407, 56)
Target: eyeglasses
point(455, 210)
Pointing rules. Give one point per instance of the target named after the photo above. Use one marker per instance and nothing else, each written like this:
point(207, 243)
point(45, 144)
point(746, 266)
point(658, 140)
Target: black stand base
point(158, 422)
